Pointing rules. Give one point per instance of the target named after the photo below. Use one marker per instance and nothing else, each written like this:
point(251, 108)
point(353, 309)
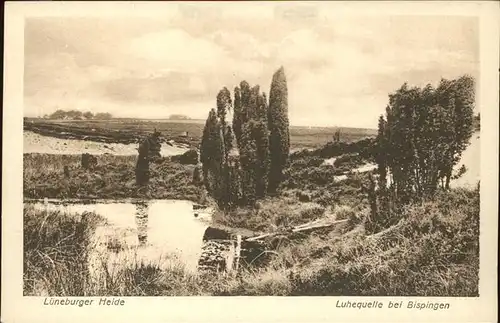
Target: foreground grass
point(56, 253)
point(432, 251)
point(113, 178)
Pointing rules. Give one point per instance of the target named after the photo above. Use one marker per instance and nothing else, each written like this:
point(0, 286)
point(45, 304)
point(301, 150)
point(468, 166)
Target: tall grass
point(56, 253)
point(432, 251)
point(271, 214)
point(112, 178)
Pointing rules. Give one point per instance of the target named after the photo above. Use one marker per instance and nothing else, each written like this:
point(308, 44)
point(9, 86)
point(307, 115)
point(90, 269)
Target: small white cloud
point(176, 49)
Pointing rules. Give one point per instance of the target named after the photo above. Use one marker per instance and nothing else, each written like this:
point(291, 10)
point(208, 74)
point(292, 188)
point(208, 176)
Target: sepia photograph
point(187, 156)
point(265, 150)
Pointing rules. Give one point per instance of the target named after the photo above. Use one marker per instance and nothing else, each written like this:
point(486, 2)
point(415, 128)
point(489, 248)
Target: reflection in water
point(141, 220)
point(160, 232)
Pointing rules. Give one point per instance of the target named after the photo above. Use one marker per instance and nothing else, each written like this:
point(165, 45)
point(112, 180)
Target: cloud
point(172, 87)
point(178, 50)
point(339, 70)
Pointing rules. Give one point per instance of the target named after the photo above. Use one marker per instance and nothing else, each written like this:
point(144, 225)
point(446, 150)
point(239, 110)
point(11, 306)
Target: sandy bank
point(35, 143)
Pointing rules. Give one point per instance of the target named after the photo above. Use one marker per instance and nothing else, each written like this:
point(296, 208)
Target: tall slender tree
point(254, 144)
point(237, 115)
point(279, 138)
point(216, 146)
point(212, 155)
point(261, 135)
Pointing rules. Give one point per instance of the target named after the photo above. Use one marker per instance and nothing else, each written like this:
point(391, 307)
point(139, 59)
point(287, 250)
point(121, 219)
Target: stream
point(161, 232)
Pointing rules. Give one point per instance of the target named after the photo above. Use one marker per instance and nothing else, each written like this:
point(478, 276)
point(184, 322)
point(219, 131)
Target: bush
point(315, 162)
point(190, 157)
point(349, 161)
point(311, 212)
point(304, 197)
point(363, 147)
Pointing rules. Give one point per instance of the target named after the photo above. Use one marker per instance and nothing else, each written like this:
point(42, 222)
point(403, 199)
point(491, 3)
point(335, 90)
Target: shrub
point(349, 161)
point(304, 197)
point(190, 157)
point(311, 212)
point(423, 135)
point(314, 162)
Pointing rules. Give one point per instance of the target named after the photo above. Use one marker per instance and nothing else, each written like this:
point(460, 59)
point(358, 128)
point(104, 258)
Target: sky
point(339, 69)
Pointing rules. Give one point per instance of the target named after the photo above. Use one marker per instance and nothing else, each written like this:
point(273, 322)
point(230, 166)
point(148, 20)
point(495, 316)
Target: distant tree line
point(78, 115)
point(178, 117)
point(420, 140)
point(259, 132)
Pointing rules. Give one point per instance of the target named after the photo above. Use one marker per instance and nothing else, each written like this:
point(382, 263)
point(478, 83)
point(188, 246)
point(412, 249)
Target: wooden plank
point(304, 227)
point(318, 226)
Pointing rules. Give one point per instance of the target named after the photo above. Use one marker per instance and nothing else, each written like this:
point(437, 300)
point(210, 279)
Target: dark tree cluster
point(421, 138)
point(260, 132)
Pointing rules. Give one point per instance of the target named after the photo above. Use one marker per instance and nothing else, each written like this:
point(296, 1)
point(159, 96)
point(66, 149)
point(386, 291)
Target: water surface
point(161, 232)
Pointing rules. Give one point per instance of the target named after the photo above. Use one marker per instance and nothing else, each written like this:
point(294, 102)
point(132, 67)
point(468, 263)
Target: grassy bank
point(56, 252)
point(112, 178)
point(432, 251)
point(310, 191)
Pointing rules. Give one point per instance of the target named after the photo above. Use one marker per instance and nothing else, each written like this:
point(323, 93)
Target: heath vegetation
point(406, 231)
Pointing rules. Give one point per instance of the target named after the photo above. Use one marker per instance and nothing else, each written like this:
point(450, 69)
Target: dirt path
point(35, 143)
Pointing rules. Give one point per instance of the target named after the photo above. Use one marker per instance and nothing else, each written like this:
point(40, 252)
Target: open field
point(131, 130)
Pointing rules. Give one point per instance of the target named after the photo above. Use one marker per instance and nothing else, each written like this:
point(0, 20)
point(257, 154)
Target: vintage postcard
point(250, 161)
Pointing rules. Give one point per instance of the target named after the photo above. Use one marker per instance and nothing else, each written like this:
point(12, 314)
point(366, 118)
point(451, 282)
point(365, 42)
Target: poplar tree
point(237, 116)
point(254, 143)
point(261, 135)
point(216, 145)
point(279, 138)
point(212, 155)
